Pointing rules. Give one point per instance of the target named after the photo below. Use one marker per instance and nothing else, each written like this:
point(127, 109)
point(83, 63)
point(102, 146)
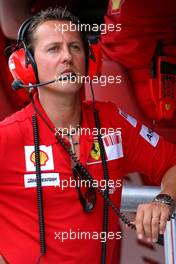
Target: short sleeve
point(144, 150)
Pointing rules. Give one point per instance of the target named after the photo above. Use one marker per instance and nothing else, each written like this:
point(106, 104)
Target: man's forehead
point(48, 33)
point(58, 27)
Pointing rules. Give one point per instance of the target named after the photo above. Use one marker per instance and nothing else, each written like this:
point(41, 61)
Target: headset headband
point(23, 29)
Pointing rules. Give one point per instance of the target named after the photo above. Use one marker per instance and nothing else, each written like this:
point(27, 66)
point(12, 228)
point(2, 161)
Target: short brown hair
point(56, 13)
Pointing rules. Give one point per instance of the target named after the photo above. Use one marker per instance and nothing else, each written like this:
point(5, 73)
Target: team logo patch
point(150, 136)
point(112, 145)
point(11, 64)
point(129, 118)
point(115, 6)
point(47, 179)
point(46, 158)
point(43, 158)
point(95, 151)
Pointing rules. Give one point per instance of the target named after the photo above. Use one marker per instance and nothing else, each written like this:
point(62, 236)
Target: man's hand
point(151, 219)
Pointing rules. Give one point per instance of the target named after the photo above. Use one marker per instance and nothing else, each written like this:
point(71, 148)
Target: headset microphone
point(17, 84)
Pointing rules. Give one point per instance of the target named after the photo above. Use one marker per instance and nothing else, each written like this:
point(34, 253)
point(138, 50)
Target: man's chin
point(65, 88)
point(69, 85)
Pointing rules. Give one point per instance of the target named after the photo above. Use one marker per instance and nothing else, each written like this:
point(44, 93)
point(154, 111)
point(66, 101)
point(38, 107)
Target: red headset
point(21, 62)
point(23, 67)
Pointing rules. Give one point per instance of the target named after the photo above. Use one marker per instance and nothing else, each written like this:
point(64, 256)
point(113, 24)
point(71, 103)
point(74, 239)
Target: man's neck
point(63, 111)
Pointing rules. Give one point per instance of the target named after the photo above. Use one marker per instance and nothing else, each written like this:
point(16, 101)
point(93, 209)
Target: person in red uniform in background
point(67, 210)
point(12, 13)
point(143, 26)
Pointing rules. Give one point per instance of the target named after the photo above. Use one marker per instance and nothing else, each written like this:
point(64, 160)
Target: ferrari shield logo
point(95, 151)
point(115, 4)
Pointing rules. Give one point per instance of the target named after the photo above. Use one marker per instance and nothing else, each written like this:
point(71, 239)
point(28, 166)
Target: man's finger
point(163, 222)
point(139, 223)
point(147, 222)
point(155, 224)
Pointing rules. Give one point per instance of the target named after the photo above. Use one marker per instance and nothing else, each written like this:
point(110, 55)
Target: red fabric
point(62, 209)
point(10, 100)
point(143, 24)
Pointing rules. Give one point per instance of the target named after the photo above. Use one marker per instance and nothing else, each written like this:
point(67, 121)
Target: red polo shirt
point(72, 236)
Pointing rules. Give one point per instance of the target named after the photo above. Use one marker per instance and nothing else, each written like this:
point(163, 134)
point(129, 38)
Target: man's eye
point(53, 49)
point(75, 47)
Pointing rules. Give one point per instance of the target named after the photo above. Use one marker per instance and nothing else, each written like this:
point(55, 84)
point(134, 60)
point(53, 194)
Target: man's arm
point(148, 153)
point(151, 218)
point(12, 14)
point(2, 260)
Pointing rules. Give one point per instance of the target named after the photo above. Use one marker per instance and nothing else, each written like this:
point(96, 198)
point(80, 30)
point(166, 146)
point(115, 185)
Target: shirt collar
point(46, 136)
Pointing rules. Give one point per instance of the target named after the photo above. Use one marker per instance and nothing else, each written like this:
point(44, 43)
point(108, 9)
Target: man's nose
point(66, 56)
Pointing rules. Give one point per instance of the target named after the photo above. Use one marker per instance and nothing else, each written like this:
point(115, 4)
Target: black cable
point(89, 177)
point(106, 191)
point(83, 170)
point(39, 185)
point(106, 177)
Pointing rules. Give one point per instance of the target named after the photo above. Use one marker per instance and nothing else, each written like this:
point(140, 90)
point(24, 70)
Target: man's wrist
point(165, 199)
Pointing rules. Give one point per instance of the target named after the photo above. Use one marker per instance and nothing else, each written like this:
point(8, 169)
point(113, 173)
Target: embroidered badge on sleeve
point(150, 136)
point(113, 146)
point(129, 118)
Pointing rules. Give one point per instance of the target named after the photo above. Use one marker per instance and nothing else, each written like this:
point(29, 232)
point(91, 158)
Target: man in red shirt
point(41, 176)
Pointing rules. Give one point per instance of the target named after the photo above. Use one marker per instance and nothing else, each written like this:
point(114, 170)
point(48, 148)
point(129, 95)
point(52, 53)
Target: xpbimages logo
point(102, 80)
point(103, 28)
point(83, 235)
